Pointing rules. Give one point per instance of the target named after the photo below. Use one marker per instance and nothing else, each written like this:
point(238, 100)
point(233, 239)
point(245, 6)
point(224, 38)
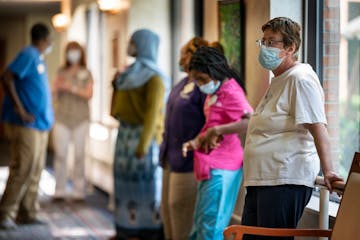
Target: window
point(349, 92)
point(332, 47)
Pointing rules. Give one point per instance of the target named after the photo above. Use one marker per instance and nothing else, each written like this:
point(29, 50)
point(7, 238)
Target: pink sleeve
point(243, 103)
point(230, 107)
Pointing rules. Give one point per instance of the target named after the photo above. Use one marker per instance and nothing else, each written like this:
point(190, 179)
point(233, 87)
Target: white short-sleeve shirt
point(278, 149)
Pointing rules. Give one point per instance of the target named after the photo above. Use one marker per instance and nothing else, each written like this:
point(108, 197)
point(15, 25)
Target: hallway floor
point(64, 220)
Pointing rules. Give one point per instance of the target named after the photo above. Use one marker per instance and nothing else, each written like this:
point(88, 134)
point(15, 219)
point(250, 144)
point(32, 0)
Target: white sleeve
point(309, 102)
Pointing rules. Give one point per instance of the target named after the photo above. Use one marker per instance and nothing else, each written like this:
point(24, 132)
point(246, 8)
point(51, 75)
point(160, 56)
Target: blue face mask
point(181, 68)
point(210, 87)
point(269, 57)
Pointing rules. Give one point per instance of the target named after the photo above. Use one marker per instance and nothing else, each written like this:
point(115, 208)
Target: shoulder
point(303, 73)
point(85, 73)
point(156, 80)
point(303, 81)
point(28, 53)
point(30, 50)
point(231, 89)
point(299, 76)
point(181, 82)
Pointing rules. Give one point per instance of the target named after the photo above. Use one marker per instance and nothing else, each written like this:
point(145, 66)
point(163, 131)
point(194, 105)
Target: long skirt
point(137, 187)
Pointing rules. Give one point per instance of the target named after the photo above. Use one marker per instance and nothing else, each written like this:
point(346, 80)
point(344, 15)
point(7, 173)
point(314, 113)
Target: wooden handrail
point(338, 186)
point(240, 230)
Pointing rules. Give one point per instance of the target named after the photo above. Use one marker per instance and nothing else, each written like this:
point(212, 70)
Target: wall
point(256, 77)
point(154, 15)
point(12, 31)
point(286, 8)
point(211, 32)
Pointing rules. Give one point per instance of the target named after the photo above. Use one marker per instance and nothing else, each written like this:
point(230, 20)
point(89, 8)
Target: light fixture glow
point(60, 21)
point(112, 6)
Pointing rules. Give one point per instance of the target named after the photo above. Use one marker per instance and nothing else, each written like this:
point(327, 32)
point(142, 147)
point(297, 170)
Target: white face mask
point(48, 49)
point(73, 56)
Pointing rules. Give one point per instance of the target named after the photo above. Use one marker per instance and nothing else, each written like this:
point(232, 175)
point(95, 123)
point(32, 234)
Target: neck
point(74, 66)
point(38, 46)
point(288, 63)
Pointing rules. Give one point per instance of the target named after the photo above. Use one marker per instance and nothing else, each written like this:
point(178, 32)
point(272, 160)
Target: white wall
point(286, 8)
point(153, 15)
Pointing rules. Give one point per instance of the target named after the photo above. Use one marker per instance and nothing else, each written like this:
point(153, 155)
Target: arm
point(85, 92)
point(113, 96)
point(61, 84)
point(213, 136)
point(154, 102)
point(8, 82)
point(322, 143)
point(239, 127)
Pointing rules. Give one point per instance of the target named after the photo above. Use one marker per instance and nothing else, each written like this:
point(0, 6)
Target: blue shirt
point(32, 86)
point(184, 120)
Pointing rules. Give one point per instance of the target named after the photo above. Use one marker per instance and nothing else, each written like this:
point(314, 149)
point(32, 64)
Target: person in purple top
point(28, 116)
point(184, 119)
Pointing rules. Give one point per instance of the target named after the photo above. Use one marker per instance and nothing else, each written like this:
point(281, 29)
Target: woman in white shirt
point(287, 139)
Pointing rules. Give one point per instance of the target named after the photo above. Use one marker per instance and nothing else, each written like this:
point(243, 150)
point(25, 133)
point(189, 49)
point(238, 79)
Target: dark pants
point(275, 207)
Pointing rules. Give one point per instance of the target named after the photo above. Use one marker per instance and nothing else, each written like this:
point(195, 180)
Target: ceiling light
point(112, 6)
point(60, 21)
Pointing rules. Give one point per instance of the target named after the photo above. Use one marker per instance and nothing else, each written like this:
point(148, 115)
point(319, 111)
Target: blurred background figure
point(184, 120)
point(137, 103)
point(72, 89)
point(28, 115)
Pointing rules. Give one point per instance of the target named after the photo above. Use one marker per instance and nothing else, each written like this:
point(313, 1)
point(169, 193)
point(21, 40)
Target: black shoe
point(32, 221)
point(7, 224)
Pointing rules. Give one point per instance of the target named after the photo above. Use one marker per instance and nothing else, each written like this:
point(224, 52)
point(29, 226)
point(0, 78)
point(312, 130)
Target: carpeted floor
point(64, 220)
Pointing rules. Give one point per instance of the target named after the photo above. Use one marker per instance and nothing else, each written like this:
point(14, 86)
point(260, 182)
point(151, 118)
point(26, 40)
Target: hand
point(64, 86)
point(188, 146)
point(210, 140)
point(329, 178)
point(61, 84)
point(25, 116)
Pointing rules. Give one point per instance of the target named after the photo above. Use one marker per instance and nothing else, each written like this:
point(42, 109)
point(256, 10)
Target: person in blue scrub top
point(27, 116)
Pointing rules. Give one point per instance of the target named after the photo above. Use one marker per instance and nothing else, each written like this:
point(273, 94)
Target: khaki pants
point(28, 152)
point(178, 203)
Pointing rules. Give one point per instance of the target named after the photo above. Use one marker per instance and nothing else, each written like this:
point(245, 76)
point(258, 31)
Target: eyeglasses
point(267, 43)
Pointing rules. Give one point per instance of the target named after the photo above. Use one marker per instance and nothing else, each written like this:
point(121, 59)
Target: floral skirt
point(137, 186)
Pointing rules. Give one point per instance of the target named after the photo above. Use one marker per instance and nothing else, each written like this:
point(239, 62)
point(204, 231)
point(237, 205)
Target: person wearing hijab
point(72, 89)
point(137, 103)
